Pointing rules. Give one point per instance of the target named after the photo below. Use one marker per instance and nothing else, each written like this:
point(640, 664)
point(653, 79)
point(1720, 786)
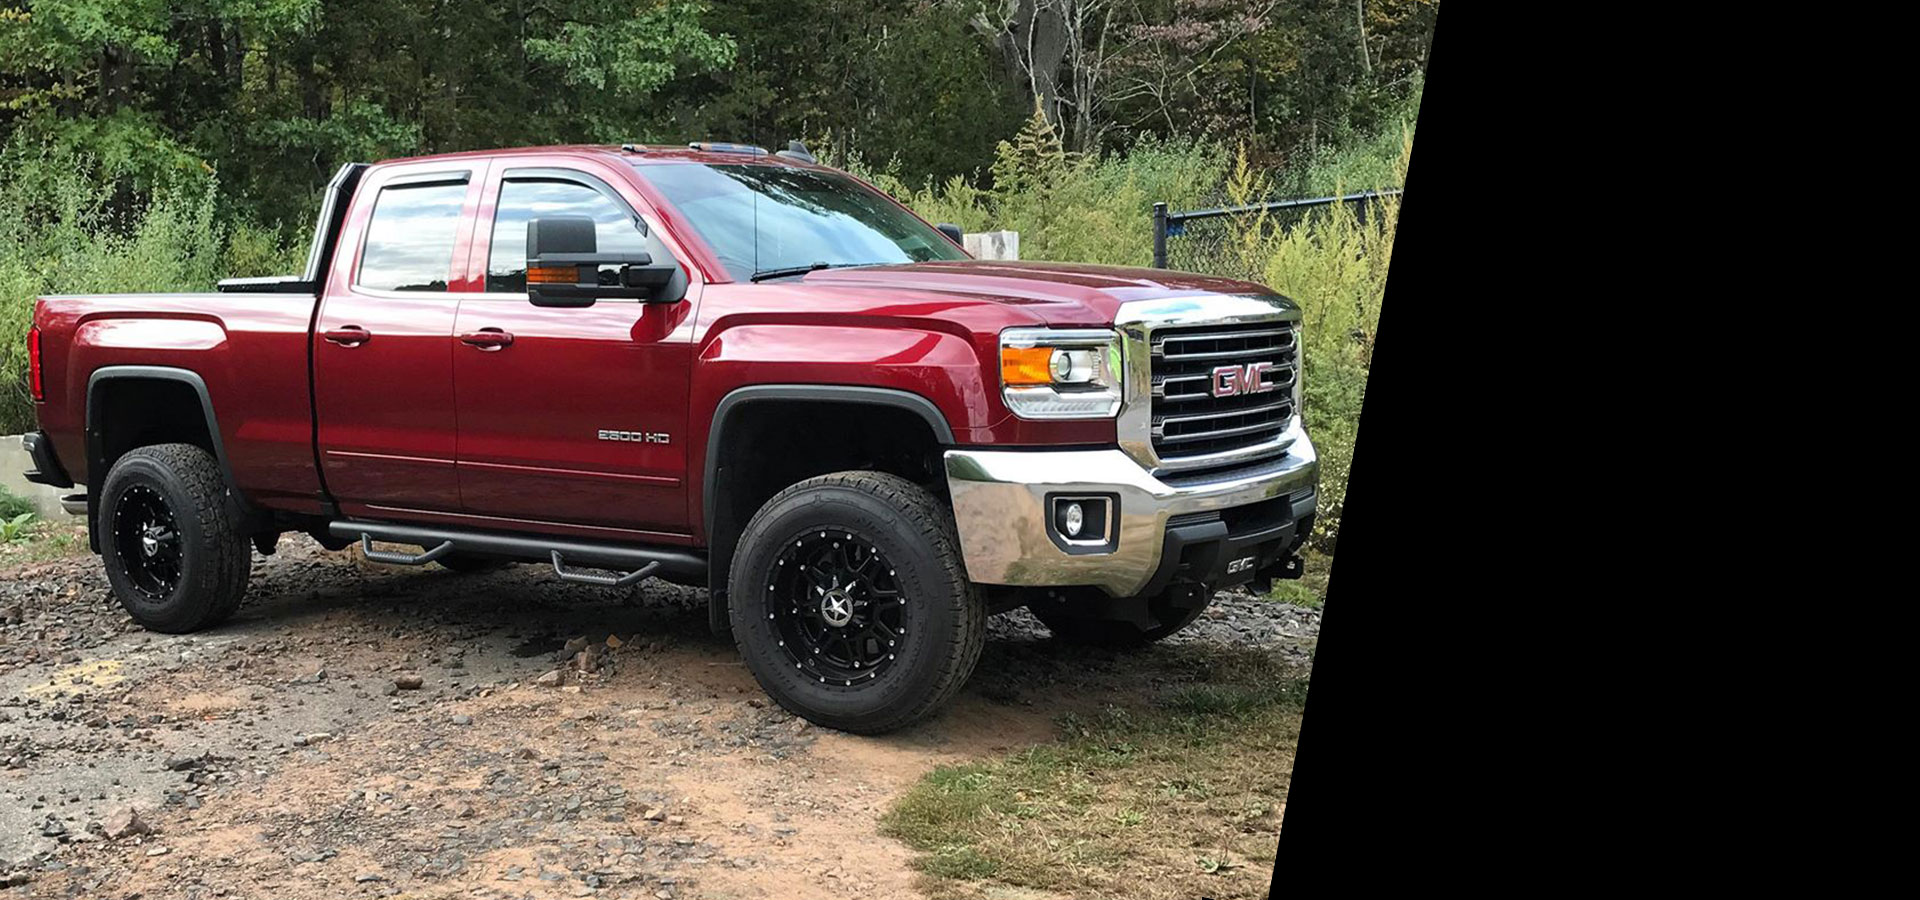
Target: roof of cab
point(640, 152)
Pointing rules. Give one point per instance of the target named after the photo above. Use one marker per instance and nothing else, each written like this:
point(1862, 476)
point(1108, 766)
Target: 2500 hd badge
point(643, 437)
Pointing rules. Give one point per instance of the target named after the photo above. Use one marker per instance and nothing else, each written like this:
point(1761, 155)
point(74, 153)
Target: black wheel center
point(834, 600)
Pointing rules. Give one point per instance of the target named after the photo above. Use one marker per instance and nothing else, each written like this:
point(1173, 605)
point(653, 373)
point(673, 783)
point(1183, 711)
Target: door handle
point(488, 338)
point(348, 336)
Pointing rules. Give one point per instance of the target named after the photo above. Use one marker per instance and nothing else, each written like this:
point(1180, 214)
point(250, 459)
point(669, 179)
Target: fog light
point(1081, 523)
point(1072, 520)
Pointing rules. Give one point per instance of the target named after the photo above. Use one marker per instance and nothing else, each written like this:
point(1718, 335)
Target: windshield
point(762, 219)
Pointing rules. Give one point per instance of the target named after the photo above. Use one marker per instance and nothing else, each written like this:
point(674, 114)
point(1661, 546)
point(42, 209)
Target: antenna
point(797, 151)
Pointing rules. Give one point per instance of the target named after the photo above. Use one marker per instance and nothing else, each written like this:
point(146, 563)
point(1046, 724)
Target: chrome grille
point(1188, 422)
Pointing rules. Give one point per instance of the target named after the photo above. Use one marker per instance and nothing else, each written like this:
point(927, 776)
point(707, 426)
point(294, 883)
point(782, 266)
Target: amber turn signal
point(1026, 365)
point(553, 274)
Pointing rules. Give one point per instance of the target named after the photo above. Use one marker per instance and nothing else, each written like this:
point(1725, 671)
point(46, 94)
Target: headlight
point(1060, 374)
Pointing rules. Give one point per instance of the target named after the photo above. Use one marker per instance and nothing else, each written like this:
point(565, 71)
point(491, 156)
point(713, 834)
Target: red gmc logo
point(1248, 379)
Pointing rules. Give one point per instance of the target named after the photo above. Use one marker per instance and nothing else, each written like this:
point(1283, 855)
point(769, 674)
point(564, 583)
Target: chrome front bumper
point(1000, 500)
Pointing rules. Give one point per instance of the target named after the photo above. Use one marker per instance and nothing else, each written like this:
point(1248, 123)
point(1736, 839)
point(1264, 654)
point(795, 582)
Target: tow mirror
point(565, 268)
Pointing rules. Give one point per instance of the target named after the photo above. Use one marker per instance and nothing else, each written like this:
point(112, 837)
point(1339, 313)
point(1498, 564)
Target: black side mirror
point(564, 268)
point(952, 231)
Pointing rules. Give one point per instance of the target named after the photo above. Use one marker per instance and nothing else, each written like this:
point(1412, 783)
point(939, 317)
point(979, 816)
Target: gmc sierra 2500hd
point(711, 364)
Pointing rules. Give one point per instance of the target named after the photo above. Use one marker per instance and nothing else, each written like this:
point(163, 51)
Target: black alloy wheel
point(837, 606)
point(170, 538)
point(148, 541)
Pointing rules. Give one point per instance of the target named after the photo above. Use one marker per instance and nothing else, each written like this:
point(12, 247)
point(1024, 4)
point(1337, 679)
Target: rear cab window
point(411, 235)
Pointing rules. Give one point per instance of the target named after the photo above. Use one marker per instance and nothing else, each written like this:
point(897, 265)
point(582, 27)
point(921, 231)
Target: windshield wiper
point(802, 270)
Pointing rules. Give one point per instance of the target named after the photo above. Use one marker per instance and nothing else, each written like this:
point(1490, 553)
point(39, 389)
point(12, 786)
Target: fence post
point(1159, 235)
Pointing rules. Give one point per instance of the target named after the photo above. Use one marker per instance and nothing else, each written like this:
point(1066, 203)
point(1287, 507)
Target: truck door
point(570, 416)
point(383, 342)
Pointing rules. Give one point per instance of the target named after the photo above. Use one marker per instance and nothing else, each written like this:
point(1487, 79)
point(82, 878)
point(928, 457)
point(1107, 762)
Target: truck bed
point(245, 352)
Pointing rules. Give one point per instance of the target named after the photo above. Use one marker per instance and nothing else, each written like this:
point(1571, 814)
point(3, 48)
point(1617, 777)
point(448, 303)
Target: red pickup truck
point(711, 364)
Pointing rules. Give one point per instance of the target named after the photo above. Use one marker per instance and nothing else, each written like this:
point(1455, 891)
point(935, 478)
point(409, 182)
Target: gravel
point(469, 713)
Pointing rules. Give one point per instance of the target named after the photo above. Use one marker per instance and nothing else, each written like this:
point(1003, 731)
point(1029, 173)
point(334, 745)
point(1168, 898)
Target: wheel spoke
point(835, 606)
point(147, 542)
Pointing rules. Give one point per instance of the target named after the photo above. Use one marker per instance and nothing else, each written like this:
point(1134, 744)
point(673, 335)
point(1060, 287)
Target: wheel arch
point(734, 409)
point(178, 407)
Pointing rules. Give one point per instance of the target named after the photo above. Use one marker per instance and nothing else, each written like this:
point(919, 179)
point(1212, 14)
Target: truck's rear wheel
point(850, 604)
point(174, 556)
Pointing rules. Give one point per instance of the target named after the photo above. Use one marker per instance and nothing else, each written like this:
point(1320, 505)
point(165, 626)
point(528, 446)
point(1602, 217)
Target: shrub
point(71, 224)
point(13, 505)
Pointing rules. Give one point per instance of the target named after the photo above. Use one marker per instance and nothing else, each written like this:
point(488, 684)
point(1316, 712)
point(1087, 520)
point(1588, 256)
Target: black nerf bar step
point(635, 563)
point(628, 579)
point(402, 559)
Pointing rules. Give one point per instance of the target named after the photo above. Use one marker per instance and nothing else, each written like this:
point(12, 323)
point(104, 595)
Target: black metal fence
point(1198, 249)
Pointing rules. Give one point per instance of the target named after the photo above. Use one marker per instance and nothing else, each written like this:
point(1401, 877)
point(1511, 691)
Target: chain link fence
point(1210, 240)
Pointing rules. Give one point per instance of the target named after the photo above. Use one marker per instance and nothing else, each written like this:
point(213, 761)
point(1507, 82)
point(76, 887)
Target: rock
point(409, 682)
point(159, 851)
point(184, 763)
point(676, 820)
point(462, 720)
point(52, 828)
point(368, 877)
point(655, 814)
point(551, 679)
point(573, 646)
point(125, 822)
point(614, 642)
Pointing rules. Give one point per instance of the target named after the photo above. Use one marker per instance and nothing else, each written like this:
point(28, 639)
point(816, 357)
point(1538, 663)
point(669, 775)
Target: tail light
point(34, 381)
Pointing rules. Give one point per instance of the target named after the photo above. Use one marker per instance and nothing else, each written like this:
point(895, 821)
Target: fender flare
point(95, 447)
point(723, 412)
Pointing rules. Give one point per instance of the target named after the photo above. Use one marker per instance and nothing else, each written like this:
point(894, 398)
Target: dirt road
point(288, 754)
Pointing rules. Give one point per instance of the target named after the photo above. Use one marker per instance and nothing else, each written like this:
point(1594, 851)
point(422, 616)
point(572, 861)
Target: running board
point(402, 559)
point(628, 579)
point(677, 565)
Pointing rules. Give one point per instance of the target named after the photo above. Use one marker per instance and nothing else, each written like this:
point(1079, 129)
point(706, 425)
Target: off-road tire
point(915, 535)
point(1111, 634)
point(215, 558)
point(466, 563)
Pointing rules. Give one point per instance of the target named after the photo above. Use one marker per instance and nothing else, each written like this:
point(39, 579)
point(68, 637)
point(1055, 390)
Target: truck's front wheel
point(850, 603)
point(174, 556)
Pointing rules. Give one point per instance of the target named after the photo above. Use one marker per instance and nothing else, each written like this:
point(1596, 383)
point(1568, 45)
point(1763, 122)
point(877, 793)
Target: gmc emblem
point(1248, 379)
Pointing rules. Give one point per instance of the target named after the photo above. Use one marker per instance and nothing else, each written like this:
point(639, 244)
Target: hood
point(1060, 294)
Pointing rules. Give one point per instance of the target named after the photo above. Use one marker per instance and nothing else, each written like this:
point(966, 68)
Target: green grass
point(44, 541)
point(1177, 796)
point(1310, 589)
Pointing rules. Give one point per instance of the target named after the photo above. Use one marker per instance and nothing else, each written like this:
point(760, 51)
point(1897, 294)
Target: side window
point(521, 200)
point(410, 238)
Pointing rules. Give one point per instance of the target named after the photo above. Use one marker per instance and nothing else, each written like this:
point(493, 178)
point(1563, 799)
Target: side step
point(634, 563)
point(402, 559)
point(627, 580)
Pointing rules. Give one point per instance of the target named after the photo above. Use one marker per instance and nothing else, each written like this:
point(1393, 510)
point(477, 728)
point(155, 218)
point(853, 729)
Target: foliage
point(66, 226)
point(14, 528)
point(273, 95)
point(13, 505)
